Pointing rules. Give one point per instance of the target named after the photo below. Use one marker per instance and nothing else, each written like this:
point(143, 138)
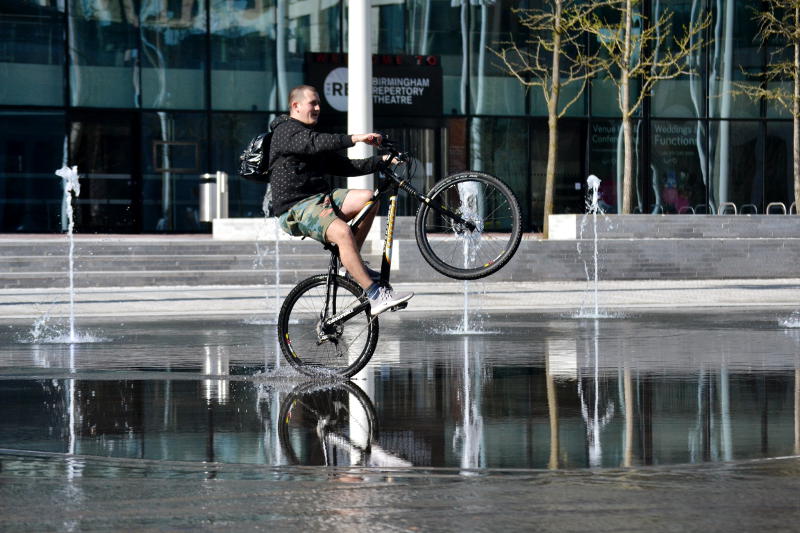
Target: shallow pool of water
point(538, 391)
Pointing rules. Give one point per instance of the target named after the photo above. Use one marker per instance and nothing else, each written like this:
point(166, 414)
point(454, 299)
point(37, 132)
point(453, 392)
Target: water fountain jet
point(71, 187)
point(592, 208)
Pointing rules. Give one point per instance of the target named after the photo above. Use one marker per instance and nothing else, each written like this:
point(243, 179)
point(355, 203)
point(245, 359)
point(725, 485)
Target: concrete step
point(153, 262)
point(145, 263)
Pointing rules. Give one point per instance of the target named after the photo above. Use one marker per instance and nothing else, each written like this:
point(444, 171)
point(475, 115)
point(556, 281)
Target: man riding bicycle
point(301, 159)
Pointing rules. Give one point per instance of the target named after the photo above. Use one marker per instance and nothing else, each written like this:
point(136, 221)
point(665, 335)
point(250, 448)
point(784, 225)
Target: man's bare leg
point(353, 204)
point(340, 234)
point(380, 298)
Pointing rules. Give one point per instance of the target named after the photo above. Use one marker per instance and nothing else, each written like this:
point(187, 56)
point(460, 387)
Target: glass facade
point(145, 96)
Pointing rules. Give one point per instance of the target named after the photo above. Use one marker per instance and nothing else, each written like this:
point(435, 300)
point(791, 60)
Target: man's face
point(306, 110)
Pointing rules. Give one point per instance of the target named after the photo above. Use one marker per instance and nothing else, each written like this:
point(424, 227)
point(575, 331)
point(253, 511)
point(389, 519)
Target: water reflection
point(544, 393)
point(333, 426)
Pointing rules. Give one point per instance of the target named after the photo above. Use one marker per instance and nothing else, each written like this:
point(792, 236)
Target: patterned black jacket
point(302, 159)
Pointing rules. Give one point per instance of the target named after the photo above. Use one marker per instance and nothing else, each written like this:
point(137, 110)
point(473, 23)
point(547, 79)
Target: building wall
point(144, 96)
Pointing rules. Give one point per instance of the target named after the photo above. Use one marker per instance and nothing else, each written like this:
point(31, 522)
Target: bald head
point(304, 104)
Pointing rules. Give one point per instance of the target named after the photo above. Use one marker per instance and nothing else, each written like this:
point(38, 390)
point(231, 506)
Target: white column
point(359, 84)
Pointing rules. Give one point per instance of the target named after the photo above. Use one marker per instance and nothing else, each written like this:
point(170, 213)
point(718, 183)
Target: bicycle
point(467, 227)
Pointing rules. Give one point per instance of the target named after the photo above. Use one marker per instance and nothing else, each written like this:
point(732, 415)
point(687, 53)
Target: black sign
point(401, 84)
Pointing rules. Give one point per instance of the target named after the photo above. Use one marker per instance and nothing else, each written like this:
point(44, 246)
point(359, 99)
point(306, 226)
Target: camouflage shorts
point(312, 216)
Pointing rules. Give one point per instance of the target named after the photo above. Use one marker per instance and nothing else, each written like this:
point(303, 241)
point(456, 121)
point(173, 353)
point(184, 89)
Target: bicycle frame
point(391, 183)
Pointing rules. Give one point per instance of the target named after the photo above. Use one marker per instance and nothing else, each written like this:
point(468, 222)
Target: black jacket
point(301, 159)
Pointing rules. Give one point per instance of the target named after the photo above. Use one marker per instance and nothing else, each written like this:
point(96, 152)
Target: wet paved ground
point(655, 419)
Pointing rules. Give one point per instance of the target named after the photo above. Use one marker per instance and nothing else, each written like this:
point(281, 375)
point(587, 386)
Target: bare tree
point(552, 57)
point(644, 56)
point(779, 25)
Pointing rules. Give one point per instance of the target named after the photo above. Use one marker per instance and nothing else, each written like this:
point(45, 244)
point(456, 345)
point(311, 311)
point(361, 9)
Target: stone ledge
point(568, 227)
point(267, 229)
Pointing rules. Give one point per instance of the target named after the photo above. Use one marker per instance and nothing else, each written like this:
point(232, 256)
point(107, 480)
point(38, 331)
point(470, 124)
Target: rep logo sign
point(402, 85)
point(335, 88)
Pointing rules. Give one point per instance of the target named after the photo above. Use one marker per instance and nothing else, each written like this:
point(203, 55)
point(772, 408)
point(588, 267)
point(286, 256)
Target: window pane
point(683, 96)
point(32, 52)
point(231, 133)
point(538, 106)
point(677, 167)
point(105, 150)
point(604, 98)
point(569, 184)
point(605, 94)
point(104, 53)
point(174, 54)
point(732, 31)
point(492, 91)
point(606, 161)
point(774, 108)
point(173, 152)
point(31, 150)
point(438, 27)
point(313, 26)
point(391, 33)
point(737, 164)
point(500, 147)
point(778, 181)
point(243, 55)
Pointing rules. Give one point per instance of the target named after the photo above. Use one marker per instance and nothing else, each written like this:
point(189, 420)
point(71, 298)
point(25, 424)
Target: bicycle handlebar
point(393, 149)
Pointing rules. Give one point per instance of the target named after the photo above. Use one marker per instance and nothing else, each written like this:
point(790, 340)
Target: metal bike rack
point(724, 205)
point(749, 209)
point(780, 205)
point(793, 207)
point(686, 209)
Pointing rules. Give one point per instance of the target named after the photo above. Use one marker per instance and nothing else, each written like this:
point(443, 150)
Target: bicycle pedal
point(398, 307)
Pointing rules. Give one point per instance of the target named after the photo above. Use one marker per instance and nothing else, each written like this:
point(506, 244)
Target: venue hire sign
point(401, 84)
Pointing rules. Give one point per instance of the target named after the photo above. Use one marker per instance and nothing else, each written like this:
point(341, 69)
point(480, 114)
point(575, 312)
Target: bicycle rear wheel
point(450, 247)
point(314, 349)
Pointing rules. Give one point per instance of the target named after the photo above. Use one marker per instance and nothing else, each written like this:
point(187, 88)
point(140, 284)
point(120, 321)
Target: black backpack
point(254, 160)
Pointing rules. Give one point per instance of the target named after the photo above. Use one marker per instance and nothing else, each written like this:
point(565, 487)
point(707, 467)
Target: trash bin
point(213, 196)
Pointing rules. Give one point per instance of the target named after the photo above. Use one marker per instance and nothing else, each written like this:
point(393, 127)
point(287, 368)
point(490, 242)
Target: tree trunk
point(552, 122)
point(796, 119)
point(550, 177)
point(624, 98)
point(627, 175)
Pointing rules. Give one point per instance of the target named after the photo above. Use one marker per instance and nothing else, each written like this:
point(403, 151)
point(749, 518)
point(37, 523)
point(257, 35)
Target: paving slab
point(532, 296)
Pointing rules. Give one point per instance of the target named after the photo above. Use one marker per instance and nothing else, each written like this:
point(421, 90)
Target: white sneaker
point(386, 299)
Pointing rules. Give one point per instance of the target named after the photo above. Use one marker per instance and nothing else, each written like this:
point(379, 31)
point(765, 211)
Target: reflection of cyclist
point(333, 426)
point(300, 160)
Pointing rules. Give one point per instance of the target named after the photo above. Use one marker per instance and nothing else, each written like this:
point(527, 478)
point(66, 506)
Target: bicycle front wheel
point(451, 247)
point(327, 426)
point(319, 349)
